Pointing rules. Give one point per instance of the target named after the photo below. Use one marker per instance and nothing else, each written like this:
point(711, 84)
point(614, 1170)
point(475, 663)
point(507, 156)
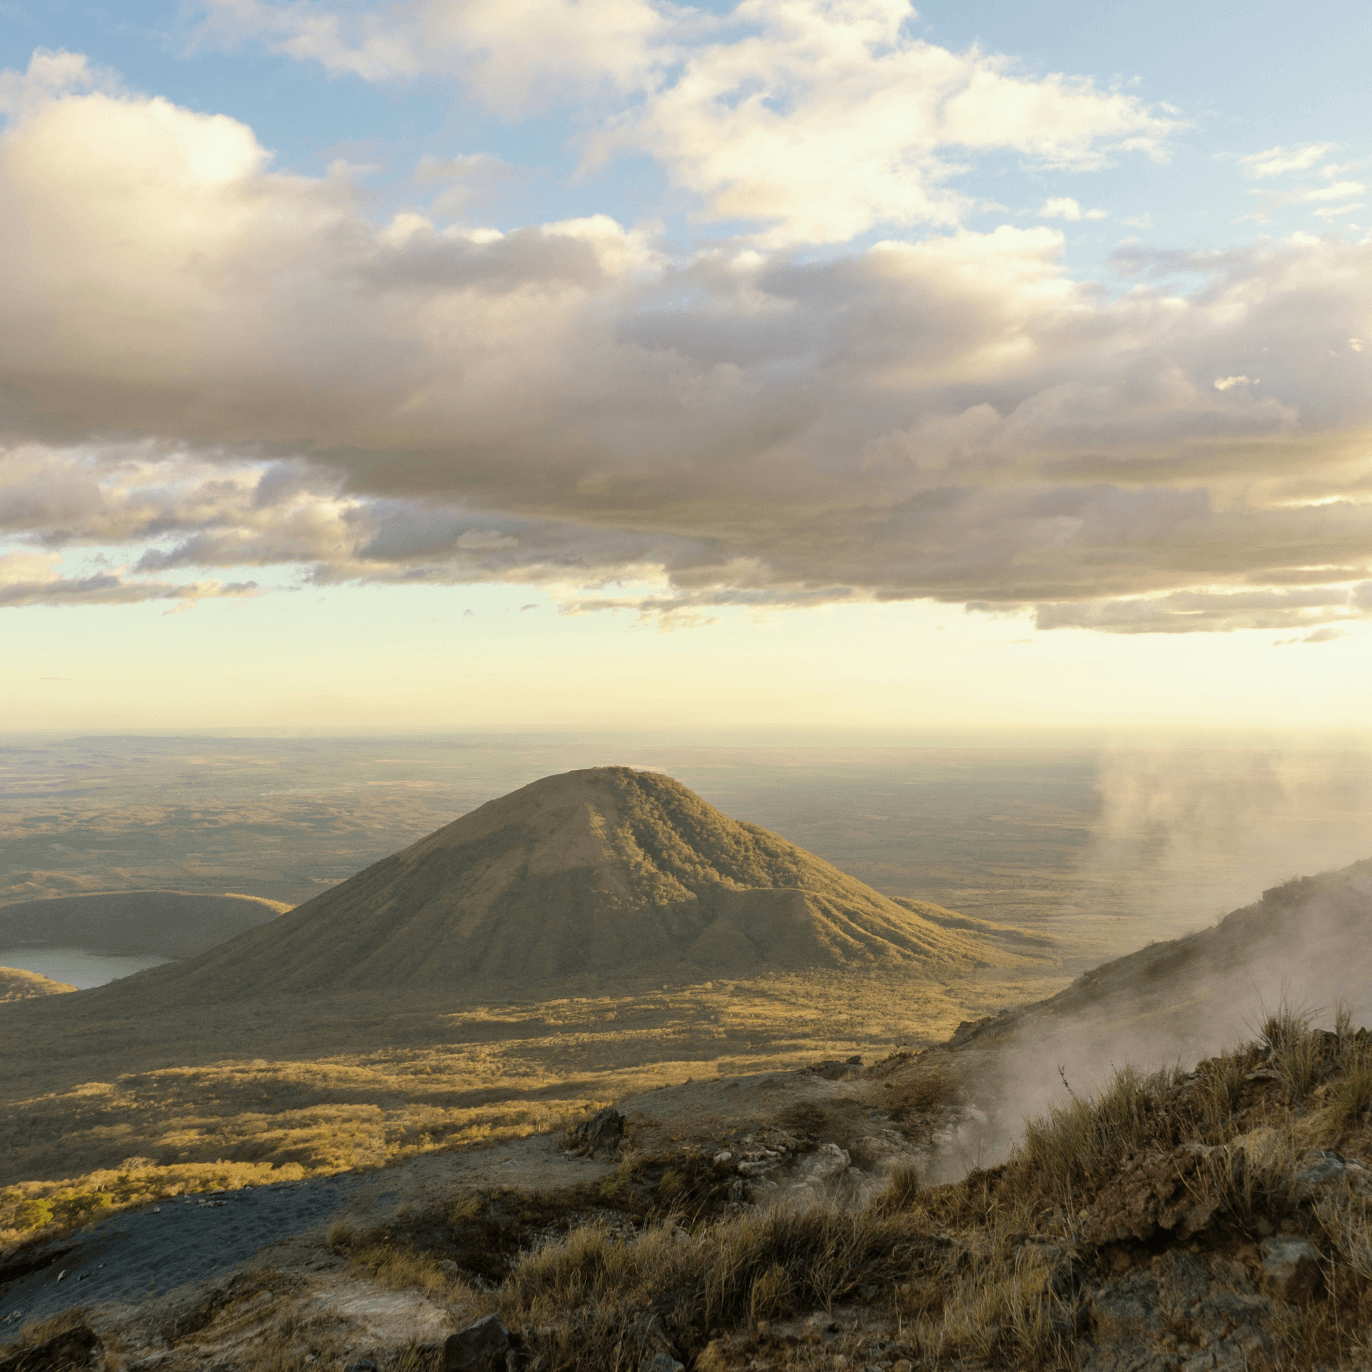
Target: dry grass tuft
point(903, 1190)
point(1078, 1144)
point(1254, 1177)
point(1294, 1051)
point(1350, 1095)
point(1004, 1309)
point(407, 1269)
point(763, 1265)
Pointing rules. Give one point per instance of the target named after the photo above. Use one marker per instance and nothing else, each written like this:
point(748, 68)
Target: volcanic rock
point(598, 1137)
point(480, 1347)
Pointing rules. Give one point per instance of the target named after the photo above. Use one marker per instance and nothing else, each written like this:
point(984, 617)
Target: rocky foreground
point(1217, 1218)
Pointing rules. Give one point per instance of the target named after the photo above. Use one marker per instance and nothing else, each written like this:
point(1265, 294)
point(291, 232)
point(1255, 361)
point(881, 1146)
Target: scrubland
point(1130, 1228)
point(1151, 1224)
point(101, 1115)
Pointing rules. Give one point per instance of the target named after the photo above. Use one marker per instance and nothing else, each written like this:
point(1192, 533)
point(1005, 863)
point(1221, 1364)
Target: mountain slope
point(1306, 943)
point(605, 870)
point(174, 924)
point(18, 984)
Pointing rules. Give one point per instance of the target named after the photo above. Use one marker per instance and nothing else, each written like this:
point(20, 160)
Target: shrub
point(32, 1213)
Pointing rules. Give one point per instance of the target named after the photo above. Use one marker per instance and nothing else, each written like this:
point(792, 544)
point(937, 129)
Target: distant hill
point(606, 871)
point(175, 924)
point(17, 984)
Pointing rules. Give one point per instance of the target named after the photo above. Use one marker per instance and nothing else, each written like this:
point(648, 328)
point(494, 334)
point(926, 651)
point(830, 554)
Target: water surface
point(79, 967)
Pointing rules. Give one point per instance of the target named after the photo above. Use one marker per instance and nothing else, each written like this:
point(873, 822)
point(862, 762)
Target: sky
point(781, 365)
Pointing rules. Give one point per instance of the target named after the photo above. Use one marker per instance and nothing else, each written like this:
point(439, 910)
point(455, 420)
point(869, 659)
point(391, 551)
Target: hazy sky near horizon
point(780, 364)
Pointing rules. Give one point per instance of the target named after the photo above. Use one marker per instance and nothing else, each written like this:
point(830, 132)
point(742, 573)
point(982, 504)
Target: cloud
point(1207, 611)
point(811, 121)
point(516, 56)
point(1064, 207)
point(1340, 190)
point(26, 580)
point(1335, 211)
point(469, 181)
point(824, 121)
point(212, 365)
point(49, 75)
point(1227, 383)
point(1317, 195)
point(1281, 161)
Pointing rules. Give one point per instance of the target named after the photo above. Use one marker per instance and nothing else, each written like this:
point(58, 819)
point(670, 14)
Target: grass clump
point(1080, 1142)
point(403, 1269)
point(1350, 1094)
point(923, 1095)
point(1004, 1308)
point(904, 1188)
point(758, 1265)
point(1254, 1177)
point(1294, 1050)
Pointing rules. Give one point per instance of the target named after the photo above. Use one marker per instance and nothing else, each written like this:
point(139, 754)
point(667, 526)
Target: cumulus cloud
point(1064, 207)
point(216, 365)
point(828, 120)
point(812, 120)
point(49, 74)
point(1281, 161)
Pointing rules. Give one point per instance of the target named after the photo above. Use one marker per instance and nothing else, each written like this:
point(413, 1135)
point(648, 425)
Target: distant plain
point(1104, 847)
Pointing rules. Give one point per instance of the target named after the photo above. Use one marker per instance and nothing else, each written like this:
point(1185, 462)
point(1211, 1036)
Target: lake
point(79, 967)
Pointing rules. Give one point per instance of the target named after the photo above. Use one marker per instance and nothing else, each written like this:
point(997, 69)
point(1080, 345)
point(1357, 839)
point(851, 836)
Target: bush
point(32, 1214)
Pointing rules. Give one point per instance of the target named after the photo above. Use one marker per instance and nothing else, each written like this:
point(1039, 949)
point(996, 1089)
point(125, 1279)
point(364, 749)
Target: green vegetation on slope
point(606, 871)
point(173, 924)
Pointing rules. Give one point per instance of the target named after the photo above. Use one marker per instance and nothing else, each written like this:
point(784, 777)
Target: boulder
point(480, 1347)
point(825, 1163)
point(600, 1137)
point(1172, 1191)
point(1179, 1312)
point(660, 1362)
point(1290, 1267)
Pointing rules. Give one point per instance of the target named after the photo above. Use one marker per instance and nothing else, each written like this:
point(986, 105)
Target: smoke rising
point(1181, 836)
